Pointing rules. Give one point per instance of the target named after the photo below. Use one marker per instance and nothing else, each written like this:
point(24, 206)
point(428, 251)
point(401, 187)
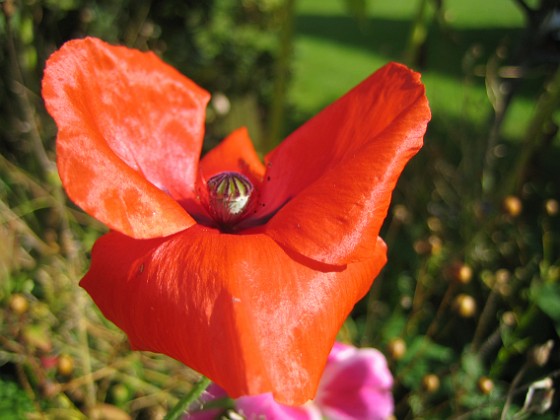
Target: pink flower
point(356, 384)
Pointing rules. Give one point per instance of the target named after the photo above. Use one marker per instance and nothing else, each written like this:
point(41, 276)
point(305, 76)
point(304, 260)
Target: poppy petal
point(235, 153)
point(236, 308)
point(328, 186)
point(130, 135)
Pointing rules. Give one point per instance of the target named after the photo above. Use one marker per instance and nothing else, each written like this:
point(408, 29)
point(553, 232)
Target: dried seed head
point(539, 355)
point(485, 385)
point(465, 305)
point(65, 365)
point(401, 214)
point(551, 206)
point(509, 319)
point(396, 348)
point(461, 272)
point(19, 303)
point(430, 383)
point(512, 205)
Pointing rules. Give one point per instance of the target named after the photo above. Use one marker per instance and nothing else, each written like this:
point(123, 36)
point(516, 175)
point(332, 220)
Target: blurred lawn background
point(468, 308)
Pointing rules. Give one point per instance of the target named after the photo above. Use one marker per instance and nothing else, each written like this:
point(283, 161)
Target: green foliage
point(422, 357)
point(547, 298)
point(14, 402)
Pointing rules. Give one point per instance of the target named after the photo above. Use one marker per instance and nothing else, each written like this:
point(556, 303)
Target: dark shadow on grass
point(386, 37)
point(448, 52)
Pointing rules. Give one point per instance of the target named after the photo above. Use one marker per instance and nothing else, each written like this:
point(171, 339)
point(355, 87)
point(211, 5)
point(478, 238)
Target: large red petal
point(235, 153)
point(332, 179)
point(130, 135)
point(236, 308)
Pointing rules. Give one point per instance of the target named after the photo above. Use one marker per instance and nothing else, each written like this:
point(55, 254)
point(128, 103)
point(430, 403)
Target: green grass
point(333, 53)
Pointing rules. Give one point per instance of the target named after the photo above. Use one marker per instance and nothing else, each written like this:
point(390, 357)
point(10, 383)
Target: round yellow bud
point(430, 383)
point(19, 303)
point(396, 348)
point(465, 305)
point(551, 207)
point(485, 385)
point(512, 205)
point(65, 365)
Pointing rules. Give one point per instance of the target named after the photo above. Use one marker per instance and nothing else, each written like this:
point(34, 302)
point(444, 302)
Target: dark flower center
point(229, 196)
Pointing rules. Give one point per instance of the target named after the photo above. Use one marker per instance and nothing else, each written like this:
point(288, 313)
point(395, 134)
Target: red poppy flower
point(244, 271)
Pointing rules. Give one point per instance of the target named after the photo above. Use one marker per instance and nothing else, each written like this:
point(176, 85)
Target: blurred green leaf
point(422, 357)
point(15, 404)
point(546, 296)
point(63, 4)
point(394, 326)
point(471, 364)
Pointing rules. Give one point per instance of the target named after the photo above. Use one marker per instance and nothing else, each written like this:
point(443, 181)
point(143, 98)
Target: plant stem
point(512, 389)
point(188, 399)
point(282, 70)
point(536, 134)
point(418, 35)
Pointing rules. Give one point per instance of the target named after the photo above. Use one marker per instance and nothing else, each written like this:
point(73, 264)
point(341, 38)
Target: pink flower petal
point(356, 384)
point(264, 407)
